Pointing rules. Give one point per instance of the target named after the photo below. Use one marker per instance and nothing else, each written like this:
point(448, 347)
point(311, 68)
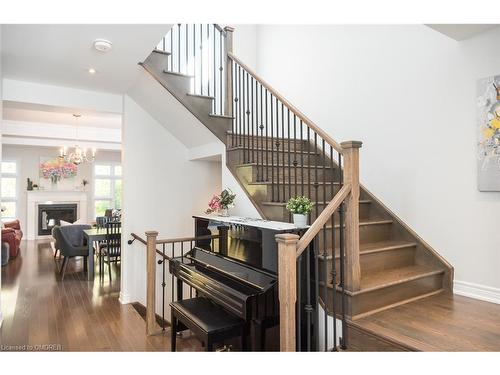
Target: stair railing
point(200, 51)
point(158, 254)
point(296, 157)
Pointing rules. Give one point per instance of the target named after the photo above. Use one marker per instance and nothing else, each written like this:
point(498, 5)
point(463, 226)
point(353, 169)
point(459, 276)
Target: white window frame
point(10, 199)
point(112, 177)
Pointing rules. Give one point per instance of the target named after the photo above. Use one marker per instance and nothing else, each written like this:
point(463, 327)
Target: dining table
point(93, 235)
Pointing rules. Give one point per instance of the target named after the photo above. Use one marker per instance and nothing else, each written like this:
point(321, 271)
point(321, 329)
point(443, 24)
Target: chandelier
point(79, 155)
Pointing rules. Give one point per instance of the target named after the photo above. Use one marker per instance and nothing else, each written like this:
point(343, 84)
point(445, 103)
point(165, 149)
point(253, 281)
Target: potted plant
point(221, 203)
point(300, 207)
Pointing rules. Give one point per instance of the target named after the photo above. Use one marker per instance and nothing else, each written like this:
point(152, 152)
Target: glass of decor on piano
point(221, 203)
point(300, 207)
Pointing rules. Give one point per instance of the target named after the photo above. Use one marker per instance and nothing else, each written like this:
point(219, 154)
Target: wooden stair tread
point(382, 279)
point(236, 148)
point(201, 96)
point(283, 165)
point(221, 116)
point(361, 201)
point(162, 52)
point(177, 74)
point(375, 247)
point(367, 222)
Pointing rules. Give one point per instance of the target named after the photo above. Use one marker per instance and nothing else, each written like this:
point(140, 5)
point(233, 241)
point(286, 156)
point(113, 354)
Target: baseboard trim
point(124, 298)
point(477, 291)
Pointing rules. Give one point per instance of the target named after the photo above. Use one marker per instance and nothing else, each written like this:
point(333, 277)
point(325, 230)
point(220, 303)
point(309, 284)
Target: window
point(107, 187)
point(9, 189)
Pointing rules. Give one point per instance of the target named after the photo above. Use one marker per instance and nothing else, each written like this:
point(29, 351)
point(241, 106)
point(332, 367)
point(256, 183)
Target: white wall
point(408, 93)
point(162, 189)
point(28, 159)
point(245, 44)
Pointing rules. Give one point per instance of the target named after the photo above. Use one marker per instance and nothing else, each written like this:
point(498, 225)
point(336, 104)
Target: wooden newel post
point(287, 284)
point(151, 282)
point(351, 176)
point(223, 239)
point(229, 74)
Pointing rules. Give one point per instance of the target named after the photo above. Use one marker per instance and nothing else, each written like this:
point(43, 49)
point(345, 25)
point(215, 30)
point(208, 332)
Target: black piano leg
point(173, 337)
point(179, 290)
point(244, 338)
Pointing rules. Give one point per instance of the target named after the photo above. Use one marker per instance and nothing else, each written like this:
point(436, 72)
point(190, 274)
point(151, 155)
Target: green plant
point(300, 205)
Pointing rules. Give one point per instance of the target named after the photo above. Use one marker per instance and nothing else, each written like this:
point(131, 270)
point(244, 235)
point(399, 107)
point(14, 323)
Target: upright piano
point(240, 274)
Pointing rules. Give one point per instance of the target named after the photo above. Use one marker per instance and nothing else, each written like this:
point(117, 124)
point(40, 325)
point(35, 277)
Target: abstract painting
point(488, 126)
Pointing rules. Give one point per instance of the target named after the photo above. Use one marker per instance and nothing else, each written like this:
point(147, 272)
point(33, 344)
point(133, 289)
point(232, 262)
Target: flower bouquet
point(221, 203)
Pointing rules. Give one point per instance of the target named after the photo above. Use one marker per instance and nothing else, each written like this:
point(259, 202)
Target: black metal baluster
point(243, 114)
point(316, 293)
point(272, 148)
point(172, 282)
point(278, 144)
point(239, 108)
point(235, 102)
point(179, 47)
point(325, 253)
point(261, 127)
point(309, 167)
point(221, 69)
point(289, 167)
point(214, 104)
point(334, 261)
point(208, 58)
point(301, 159)
point(267, 145)
point(252, 121)
point(163, 284)
point(194, 58)
point(316, 180)
point(342, 265)
point(201, 59)
point(187, 49)
point(248, 117)
point(295, 161)
point(283, 166)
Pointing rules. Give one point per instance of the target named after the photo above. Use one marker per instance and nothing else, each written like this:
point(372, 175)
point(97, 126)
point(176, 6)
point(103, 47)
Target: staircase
point(276, 153)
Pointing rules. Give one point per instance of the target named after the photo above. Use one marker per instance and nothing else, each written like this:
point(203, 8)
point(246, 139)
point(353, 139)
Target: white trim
point(477, 291)
point(124, 298)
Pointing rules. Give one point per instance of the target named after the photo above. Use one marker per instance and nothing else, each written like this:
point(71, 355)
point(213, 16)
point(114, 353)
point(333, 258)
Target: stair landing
point(444, 322)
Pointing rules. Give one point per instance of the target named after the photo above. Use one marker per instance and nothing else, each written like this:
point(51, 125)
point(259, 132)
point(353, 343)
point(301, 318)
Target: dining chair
point(111, 247)
point(71, 244)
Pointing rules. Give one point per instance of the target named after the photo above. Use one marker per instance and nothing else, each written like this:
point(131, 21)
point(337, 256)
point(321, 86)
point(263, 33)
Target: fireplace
point(50, 215)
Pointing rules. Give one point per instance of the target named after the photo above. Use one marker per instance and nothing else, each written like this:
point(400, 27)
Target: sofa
point(12, 234)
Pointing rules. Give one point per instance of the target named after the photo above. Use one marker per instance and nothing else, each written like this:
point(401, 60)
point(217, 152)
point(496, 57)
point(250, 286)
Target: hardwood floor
point(42, 313)
point(444, 322)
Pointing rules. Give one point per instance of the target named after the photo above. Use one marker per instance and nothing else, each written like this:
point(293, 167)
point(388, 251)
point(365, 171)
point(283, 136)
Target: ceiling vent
point(102, 45)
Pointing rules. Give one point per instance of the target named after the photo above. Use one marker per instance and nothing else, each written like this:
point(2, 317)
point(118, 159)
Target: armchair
point(12, 234)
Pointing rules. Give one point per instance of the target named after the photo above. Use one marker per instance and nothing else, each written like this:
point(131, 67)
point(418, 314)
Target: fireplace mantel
point(36, 197)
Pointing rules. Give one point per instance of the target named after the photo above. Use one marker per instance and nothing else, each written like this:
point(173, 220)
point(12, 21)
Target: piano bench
point(209, 322)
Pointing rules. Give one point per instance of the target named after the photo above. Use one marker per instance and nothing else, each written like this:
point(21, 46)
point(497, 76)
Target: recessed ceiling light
point(92, 71)
point(102, 45)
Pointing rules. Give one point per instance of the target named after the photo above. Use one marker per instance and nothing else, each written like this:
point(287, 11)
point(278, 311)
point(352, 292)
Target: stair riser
point(370, 302)
point(269, 157)
point(369, 262)
point(264, 192)
point(286, 174)
point(367, 234)
point(258, 142)
point(279, 213)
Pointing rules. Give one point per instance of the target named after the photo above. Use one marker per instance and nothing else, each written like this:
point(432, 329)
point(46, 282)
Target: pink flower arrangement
point(214, 204)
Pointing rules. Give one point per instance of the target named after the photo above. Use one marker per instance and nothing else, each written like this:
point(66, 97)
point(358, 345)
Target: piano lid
point(238, 271)
point(277, 226)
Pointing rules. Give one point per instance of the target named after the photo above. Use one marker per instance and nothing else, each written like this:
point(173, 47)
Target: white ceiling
point(61, 54)
point(461, 31)
point(29, 112)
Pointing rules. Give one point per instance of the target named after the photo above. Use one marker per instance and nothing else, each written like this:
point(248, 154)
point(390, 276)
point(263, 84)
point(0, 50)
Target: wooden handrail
point(322, 219)
point(138, 238)
point(289, 105)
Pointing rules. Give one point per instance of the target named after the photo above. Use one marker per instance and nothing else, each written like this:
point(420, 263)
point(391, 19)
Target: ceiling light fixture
point(92, 71)
point(79, 156)
point(102, 45)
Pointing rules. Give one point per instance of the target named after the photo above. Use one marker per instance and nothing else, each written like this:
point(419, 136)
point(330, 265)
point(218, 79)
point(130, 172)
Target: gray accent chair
point(71, 244)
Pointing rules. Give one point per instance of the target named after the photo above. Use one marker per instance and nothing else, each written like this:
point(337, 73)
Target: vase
point(300, 220)
point(53, 183)
point(224, 212)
